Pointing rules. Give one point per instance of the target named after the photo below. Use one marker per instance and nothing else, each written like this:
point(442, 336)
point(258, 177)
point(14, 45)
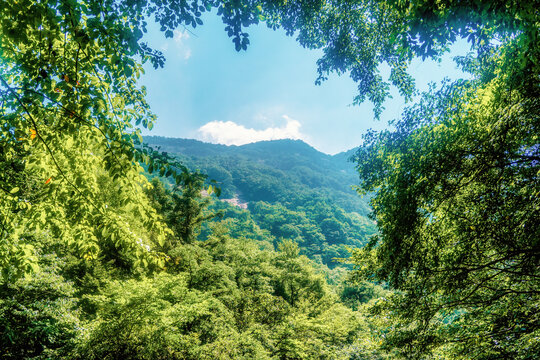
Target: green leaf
point(128, 71)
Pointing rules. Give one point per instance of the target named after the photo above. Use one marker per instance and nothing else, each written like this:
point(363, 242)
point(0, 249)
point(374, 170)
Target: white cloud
point(179, 45)
point(231, 133)
point(180, 36)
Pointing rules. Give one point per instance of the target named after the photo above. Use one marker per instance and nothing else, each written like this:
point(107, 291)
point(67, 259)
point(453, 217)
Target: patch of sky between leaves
point(280, 101)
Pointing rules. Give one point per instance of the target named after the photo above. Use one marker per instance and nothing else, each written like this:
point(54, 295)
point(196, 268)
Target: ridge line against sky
point(210, 92)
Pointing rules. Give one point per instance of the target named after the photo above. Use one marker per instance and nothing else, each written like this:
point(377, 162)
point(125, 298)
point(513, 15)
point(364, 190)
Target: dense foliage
point(224, 297)
point(456, 195)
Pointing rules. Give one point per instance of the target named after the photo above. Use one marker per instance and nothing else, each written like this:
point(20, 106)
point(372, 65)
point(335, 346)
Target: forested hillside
point(289, 191)
point(284, 171)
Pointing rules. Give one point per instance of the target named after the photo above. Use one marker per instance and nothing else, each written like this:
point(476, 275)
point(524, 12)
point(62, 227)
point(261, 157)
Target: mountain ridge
point(191, 142)
point(273, 171)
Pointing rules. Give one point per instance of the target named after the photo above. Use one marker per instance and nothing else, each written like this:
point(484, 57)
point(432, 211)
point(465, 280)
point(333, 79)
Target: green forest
point(421, 243)
point(306, 197)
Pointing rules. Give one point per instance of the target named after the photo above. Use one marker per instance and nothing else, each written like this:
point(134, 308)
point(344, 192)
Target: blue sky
point(210, 92)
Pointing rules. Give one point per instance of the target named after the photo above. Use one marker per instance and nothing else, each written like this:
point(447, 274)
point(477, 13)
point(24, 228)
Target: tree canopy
point(456, 196)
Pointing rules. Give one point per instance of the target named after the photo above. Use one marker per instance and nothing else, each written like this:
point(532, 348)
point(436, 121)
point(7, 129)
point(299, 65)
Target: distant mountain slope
point(282, 189)
point(284, 171)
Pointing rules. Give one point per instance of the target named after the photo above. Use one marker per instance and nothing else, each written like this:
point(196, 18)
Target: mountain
point(284, 171)
point(281, 189)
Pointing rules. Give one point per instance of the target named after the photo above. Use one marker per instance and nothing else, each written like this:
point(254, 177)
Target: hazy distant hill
point(284, 171)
